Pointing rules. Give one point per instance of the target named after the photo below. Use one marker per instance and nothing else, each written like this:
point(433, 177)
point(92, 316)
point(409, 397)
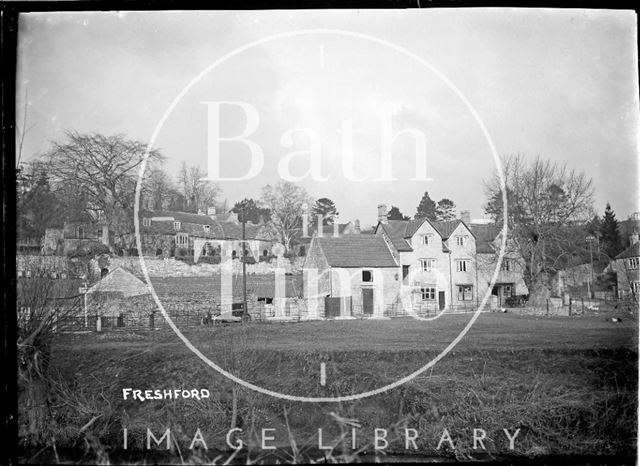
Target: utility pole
point(590, 239)
point(245, 312)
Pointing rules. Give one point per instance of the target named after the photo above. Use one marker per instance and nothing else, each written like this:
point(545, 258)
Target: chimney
point(336, 226)
point(465, 216)
point(633, 237)
point(319, 218)
point(211, 212)
point(356, 227)
point(305, 220)
point(382, 213)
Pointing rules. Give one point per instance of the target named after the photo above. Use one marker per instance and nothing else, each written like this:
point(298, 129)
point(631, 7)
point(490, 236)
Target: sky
point(365, 107)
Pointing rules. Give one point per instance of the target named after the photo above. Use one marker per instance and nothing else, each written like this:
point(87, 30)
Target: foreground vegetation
point(569, 385)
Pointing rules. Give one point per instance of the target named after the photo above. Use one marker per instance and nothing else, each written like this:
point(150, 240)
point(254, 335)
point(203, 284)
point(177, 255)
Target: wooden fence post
point(570, 303)
point(547, 306)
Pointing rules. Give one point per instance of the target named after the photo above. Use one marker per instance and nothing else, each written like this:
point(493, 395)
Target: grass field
point(568, 384)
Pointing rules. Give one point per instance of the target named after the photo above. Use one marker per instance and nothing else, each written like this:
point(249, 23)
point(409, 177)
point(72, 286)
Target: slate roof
point(356, 251)
point(447, 228)
point(193, 224)
point(485, 235)
point(631, 251)
point(120, 281)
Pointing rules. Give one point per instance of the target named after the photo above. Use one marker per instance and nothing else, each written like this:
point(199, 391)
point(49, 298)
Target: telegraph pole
point(245, 312)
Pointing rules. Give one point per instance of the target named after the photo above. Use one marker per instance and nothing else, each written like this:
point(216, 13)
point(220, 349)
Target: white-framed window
point(427, 265)
point(634, 262)
point(506, 265)
point(146, 222)
point(182, 239)
point(426, 239)
point(462, 265)
point(367, 275)
point(176, 225)
point(461, 240)
point(635, 287)
point(428, 293)
point(465, 292)
point(207, 228)
point(507, 291)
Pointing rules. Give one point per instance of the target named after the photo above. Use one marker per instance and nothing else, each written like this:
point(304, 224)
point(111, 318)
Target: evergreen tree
point(611, 242)
point(326, 208)
point(426, 208)
point(395, 214)
point(253, 211)
point(445, 210)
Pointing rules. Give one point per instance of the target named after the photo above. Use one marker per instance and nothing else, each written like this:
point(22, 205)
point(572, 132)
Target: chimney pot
point(465, 216)
point(356, 226)
point(382, 213)
point(319, 218)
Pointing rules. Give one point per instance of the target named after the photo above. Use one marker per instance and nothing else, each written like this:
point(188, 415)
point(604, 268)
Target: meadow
point(569, 384)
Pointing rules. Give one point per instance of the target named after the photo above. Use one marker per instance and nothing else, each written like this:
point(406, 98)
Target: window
point(465, 292)
point(146, 222)
point(634, 262)
point(265, 300)
point(176, 225)
point(428, 293)
point(506, 265)
point(207, 228)
point(80, 232)
point(265, 253)
point(182, 239)
point(635, 287)
point(507, 291)
point(427, 239)
point(367, 276)
point(462, 265)
point(460, 240)
point(427, 265)
point(233, 254)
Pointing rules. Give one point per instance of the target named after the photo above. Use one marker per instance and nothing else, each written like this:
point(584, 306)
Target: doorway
point(367, 301)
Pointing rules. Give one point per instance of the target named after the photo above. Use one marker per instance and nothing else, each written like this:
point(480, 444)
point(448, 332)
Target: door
point(331, 307)
point(497, 292)
point(405, 271)
point(441, 300)
point(367, 300)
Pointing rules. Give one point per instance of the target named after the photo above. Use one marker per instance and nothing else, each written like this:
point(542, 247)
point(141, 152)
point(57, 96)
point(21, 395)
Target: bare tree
point(285, 200)
point(545, 200)
point(158, 189)
point(198, 192)
point(43, 307)
point(103, 170)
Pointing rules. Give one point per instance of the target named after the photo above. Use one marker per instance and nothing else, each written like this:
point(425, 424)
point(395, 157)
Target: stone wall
point(175, 268)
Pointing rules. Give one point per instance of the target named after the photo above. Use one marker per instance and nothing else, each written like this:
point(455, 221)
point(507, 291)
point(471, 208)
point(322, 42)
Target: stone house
point(437, 261)
point(350, 275)
point(164, 233)
point(626, 265)
point(74, 236)
point(510, 279)
point(421, 265)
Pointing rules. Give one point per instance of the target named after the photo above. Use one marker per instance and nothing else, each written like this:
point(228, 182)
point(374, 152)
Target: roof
point(194, 225)
point(120, 281)
point(485, 235)
point(447, 228)
point(395, 232)
point(631, 251)
point(356, 251)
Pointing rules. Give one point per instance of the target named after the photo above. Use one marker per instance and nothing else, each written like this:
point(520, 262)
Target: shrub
point(209, 259)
